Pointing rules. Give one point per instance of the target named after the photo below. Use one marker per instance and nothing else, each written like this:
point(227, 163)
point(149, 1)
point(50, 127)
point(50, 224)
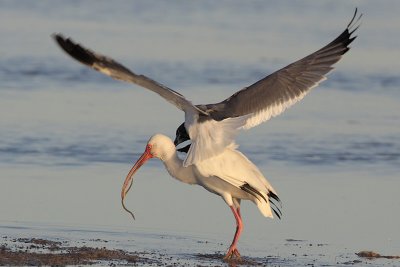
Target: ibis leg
point(233, 252)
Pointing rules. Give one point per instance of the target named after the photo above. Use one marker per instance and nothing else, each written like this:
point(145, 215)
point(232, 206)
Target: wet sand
point(39, 251)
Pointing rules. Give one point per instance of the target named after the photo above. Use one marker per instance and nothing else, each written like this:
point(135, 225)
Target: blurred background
point(69, 135)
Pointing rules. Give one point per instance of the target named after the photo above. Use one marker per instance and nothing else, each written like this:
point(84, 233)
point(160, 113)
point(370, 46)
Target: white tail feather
point(264, 208)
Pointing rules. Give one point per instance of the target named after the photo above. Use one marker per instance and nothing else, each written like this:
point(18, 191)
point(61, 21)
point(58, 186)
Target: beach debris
point(374, 255)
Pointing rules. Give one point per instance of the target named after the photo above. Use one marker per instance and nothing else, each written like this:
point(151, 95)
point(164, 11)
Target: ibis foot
point(232, 254)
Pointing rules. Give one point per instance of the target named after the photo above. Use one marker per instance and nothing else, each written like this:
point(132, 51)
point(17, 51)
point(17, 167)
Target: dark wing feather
point(276, 92)
point(112, 68)
point(273, 199)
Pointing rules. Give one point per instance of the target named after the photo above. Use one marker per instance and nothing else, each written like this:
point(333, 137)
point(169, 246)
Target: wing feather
point(270, 96)
point(114, 69)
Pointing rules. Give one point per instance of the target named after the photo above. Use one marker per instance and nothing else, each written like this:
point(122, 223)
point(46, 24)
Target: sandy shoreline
point(41, 251)
point(38, 252)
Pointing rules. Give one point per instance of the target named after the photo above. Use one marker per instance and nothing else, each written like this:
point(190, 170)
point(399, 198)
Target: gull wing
point(270, 96)
point(112, 68)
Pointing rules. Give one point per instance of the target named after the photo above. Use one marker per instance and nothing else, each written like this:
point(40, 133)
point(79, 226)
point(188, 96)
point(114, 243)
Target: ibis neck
point(174, 166)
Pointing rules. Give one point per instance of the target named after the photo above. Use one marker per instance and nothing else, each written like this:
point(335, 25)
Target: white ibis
point(212, 127)
point(229, 174)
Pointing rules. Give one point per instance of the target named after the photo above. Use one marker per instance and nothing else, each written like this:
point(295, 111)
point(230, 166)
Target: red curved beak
point(129, 178)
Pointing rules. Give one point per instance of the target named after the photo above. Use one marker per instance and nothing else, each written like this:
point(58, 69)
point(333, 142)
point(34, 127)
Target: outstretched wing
point(270, 96)
point(112, 68)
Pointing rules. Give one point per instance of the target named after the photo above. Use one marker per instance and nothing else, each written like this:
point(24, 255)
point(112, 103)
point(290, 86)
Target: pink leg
point(240, 215)
point(233, 251)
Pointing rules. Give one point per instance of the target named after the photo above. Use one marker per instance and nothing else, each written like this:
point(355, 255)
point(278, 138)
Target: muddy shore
point(40, 251)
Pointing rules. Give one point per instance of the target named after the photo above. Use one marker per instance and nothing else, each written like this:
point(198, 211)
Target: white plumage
point(229, 174)
point(211, 137)
point(235, 169)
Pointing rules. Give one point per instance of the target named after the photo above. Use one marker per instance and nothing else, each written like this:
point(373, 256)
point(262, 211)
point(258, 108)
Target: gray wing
point(112, 68)
point(272, 95)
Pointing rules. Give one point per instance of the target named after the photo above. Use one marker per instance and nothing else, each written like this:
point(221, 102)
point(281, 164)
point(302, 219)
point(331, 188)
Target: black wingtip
point(346, 37)
point(274, 196)
point(57, 36)
point(275, 208)
point(271, 196)
point(353, 26)
point(353, 20)
point(73, 49)
point(354, 16)
point(251, 190)
point(277, 213)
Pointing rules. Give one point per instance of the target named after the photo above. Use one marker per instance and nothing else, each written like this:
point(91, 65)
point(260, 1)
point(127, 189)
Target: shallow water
point(177, 248)
point(68, 135)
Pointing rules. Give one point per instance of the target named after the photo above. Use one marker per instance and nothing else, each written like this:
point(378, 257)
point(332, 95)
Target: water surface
point(68, 135)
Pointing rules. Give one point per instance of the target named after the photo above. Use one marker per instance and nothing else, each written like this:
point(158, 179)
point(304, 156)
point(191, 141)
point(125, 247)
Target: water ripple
point(87, 150)
point(38, 73)
point(52, 151)
point(29, 73)
point(320, 152)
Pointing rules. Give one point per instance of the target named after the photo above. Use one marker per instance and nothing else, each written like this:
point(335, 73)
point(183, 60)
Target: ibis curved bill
point(128, 181)
point(213, 127)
